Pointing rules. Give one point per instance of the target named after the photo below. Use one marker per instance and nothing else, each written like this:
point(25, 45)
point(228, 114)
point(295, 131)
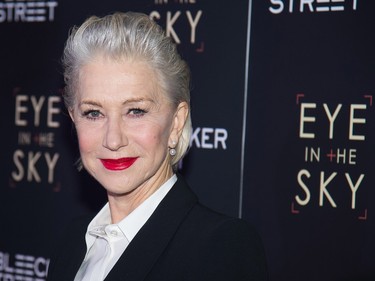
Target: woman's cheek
point(149, 135)
point(87, 140)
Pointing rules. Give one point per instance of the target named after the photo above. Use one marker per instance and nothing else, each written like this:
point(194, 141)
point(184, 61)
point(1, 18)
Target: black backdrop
point(283, 127)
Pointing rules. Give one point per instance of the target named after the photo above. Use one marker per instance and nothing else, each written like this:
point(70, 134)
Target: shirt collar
point(132, 223)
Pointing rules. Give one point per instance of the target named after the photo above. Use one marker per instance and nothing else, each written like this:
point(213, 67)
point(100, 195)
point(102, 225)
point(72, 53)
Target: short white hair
point(130, 36)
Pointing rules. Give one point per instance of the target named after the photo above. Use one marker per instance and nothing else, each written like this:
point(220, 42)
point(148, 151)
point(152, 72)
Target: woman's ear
point(179, 121)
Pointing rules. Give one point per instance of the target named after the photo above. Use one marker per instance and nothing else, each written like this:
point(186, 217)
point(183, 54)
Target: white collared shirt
point(118, 236)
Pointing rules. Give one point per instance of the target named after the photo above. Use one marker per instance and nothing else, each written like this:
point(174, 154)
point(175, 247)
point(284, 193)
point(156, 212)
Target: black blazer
point(182, 240)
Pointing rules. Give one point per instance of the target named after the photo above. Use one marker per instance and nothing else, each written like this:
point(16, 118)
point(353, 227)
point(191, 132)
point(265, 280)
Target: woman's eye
point(92, 114)
point(137, 112)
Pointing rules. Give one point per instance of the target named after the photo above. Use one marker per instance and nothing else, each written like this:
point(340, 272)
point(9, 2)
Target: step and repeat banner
point(309, 180)
point(283, 127)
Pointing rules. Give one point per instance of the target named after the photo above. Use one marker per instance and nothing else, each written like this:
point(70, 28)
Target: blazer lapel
point(151, 240)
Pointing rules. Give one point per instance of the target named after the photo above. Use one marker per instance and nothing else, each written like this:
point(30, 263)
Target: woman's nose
point(115, 136)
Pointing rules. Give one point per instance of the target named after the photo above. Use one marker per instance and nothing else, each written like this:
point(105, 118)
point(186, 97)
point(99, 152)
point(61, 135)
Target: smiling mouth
point(118, 164)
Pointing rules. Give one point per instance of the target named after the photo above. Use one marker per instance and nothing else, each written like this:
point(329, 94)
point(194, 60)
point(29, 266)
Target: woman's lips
point(118, 164)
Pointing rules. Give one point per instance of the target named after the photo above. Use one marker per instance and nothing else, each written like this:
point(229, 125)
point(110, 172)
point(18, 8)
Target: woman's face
point(125, 125)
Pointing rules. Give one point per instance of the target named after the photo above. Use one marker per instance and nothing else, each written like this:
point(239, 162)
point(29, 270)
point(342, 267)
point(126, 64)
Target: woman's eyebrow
point(132, 100)
point(138, 100)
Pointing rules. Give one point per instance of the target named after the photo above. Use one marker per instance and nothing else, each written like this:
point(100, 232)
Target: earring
point(172, 152)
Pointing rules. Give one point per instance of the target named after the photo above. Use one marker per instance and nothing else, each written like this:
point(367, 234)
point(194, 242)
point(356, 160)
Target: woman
point(127, 92)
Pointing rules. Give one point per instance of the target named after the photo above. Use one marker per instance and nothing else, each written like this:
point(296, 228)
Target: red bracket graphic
point(364, 216)
point(16, 90)
point(293, 210)
point(298, 97)
point(201, 48)
point(12, 184)
point(369, 97)
point(57, 187)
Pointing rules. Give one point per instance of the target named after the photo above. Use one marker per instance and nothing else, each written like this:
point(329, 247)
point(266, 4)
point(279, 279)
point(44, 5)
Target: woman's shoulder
point(232, 245)
point(211, 221)
point(206, 221)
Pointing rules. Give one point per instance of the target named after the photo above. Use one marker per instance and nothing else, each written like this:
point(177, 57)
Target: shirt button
point(113, 232)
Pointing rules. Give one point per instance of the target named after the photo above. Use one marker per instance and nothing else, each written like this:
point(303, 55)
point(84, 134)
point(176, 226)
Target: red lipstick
point(118, 164)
